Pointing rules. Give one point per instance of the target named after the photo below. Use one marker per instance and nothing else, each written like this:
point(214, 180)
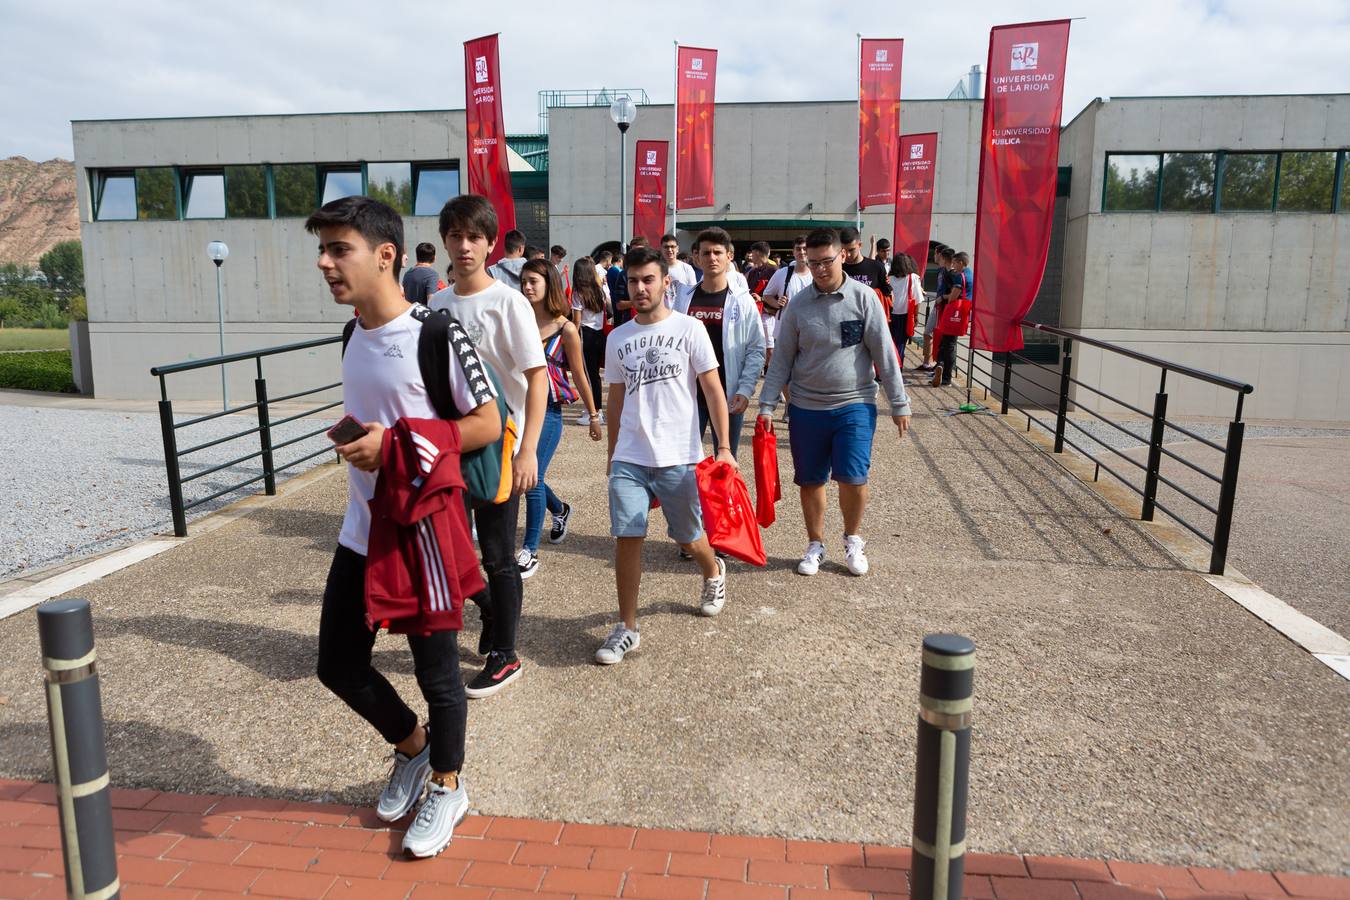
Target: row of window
point(1286, 181)
point(268, 191)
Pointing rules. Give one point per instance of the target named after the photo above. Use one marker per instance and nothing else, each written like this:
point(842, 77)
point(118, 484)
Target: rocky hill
point(37, 207)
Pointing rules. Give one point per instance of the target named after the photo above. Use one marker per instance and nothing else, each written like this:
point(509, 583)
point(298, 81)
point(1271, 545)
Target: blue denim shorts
point(834, 442)
point(631, 489)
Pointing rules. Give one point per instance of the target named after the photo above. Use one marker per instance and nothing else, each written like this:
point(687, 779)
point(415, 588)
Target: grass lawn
point(34, 339)
point(46, 371)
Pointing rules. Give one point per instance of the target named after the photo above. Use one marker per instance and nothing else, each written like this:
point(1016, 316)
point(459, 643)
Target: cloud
point(76, 59)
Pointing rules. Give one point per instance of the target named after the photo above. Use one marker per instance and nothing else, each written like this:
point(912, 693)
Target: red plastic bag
point(955, 318)
point(728, 517)
point(768, 489)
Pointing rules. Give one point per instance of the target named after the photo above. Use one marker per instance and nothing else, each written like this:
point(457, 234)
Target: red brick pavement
point(193, 846)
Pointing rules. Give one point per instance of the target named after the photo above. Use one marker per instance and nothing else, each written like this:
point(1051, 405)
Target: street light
point(623, 112)
point(218, 251)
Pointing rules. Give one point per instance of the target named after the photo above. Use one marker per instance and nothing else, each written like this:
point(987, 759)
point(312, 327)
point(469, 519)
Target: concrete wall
point(1263, 297)
point(772, 159)
point(151, 288)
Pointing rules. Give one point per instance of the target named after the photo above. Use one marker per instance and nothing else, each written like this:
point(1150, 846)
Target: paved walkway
point(1124, 708)
point(192, 845)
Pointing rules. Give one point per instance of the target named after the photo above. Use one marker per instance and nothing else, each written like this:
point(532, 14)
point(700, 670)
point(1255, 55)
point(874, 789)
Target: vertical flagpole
point(675, 142)
point(857, 67)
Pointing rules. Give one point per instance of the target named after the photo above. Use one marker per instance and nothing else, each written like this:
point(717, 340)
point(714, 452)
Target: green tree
point(9, 310)
point(20, 284)
point(64, 267)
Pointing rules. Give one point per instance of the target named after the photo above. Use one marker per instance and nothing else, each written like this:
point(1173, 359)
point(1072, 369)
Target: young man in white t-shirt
point(786, 282)
point(360, 240)
point(654, 364)
point(680, 272)
point(500, 322)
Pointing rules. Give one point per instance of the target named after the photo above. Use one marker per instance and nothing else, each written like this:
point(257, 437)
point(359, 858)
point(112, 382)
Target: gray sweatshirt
point(507, 271)
point(826, 347)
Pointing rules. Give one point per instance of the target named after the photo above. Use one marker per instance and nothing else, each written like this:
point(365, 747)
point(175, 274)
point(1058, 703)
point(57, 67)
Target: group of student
point(499, 350)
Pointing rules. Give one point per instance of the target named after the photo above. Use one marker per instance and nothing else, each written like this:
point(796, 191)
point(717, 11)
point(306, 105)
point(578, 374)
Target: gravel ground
point(80, 482)
point(1124, 708)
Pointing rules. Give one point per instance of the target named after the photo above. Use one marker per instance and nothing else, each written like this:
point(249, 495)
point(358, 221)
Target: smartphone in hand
point(346, 431)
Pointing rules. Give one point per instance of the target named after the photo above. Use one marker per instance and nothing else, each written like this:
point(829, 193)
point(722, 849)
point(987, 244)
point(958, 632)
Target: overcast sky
point(79, 59)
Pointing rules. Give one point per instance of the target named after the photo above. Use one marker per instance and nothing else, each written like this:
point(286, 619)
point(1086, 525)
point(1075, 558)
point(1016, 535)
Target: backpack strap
point(443, 334)
point(347, 333)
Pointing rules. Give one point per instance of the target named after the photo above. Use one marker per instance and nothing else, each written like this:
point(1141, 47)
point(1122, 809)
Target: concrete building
point(1204, 230)
point(1201, 230)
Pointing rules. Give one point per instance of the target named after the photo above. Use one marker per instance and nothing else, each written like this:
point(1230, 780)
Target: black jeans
point(344, 668)
point(946, 357)
point(593, 351)
point(500, 600)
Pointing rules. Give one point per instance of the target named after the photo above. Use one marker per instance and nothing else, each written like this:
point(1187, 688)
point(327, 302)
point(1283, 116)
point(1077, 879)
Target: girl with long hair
point(907, 289)
point(543, 287)
point(589, 311)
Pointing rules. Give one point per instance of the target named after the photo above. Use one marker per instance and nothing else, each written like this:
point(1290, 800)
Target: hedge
point(45, 371)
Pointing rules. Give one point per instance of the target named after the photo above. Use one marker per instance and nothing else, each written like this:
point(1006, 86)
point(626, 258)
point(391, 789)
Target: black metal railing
point(262, 404)
point(1221, 508)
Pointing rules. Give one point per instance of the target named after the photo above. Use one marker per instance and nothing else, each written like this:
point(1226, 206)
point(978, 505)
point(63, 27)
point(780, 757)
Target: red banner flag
point(696, 87)
point(1019, 165)
point(914, 196)
point(489, 173)
point(649, 190)
point(878, 120)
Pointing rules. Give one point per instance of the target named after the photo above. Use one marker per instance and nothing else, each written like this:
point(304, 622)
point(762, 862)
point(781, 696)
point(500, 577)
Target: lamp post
point(623, 112)
point(218, 252)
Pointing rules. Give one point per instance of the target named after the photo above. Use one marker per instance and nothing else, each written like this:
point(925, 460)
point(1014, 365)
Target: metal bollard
point(75, 713)
point(942, 767)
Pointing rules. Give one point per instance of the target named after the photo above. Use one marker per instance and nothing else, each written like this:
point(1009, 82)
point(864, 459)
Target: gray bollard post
point(942, 767)
point(75, 713)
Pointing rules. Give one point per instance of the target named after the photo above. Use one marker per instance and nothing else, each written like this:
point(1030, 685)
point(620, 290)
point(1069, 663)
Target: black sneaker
point(500, 671)
point(527, 562)
point(685, 555)
point(559, 529)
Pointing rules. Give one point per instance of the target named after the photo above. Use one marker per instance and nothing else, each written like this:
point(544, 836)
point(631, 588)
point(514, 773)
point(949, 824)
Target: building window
point(204, 195)
point(1131, 183)
point(339, 183)
point(1248, 182)
point(433, 186)
point(1307, 181)
point(156, 194)
point(1188, 182)
point(391, 183)
point(1343, 204)
point(295, 188)
point(115, 196)
point(245, 192)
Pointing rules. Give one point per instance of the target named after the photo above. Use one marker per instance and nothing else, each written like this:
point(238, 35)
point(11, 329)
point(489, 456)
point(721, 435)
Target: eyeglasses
point(821, 263)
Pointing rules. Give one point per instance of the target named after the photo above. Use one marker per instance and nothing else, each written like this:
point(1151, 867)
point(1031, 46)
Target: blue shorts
point(631, 489)
point(826, 441)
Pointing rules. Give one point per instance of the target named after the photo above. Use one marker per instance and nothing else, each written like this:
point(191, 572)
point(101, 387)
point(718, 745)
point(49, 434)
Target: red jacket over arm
point(421, 564)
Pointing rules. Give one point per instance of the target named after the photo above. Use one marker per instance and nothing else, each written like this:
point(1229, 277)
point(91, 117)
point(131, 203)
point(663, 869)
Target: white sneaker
point(619, 642)
point(854, 557)
point(811, 559)
point(584, 419)
point(714, 595)
point(600, 417)
point(406, 778)
point(435, 823)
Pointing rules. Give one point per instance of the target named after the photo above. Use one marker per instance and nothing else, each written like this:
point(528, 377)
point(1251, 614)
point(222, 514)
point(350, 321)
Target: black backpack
point(487, 470)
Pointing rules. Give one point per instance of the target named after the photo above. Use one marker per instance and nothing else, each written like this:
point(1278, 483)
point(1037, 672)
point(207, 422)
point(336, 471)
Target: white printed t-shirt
point(382, 382)
point(659, 365)
point(500, 322)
